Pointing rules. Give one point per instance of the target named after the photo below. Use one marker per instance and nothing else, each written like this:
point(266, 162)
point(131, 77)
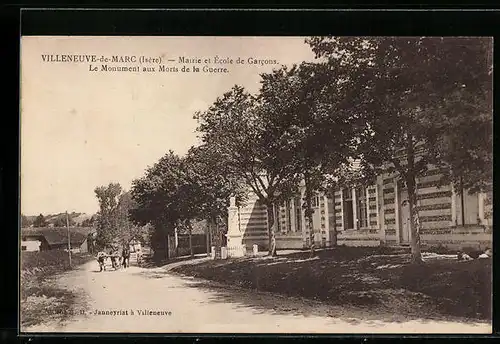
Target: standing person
point(139, 256)
point(113, 258)
point(101, 256)
point(126, 256)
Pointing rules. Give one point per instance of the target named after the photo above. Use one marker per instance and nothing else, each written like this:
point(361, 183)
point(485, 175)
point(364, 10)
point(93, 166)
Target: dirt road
point(156, 301)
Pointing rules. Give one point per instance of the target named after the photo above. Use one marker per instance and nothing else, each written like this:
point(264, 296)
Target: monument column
point(235, 247)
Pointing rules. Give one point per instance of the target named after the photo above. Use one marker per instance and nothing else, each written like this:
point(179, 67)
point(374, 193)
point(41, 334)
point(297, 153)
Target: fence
point(199, 242)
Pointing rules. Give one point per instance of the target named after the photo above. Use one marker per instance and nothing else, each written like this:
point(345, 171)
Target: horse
point(101, 257)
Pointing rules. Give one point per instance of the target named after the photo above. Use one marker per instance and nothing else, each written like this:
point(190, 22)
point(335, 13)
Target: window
point(348, 210)
point(23, 248)
point(315, 202)
point(289, 215)
point(346, 194)
point(361, 207)
point(298, 215)
point(469, 207)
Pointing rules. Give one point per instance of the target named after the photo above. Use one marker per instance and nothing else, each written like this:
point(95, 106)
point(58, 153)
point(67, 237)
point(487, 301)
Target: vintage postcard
point(256, 184)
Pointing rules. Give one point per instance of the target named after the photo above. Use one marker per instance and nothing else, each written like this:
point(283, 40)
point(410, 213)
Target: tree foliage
point(178, 190)
point(107, 230)
point(302, 107)
point(90, 222)
point(213, 185)
point(398, 105)
point(236, 128)
point(26, 221)
point(40, 221)
point(213, 188)
point(412, 97)
point(156, 195)
point(114, 225)
point(440, 87)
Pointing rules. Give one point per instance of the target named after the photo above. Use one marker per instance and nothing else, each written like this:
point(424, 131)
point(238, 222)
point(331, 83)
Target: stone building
point(368, 215)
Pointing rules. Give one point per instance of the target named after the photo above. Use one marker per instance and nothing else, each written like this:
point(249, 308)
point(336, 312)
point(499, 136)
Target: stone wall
point(290, 242)
point(359, 238)
point(476, 237)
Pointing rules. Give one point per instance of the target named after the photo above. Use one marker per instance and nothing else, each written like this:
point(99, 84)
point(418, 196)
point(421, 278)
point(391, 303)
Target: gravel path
point(156, 301)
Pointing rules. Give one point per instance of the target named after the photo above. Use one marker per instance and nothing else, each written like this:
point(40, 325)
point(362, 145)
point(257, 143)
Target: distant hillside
point(76, 219)
point(82, 217)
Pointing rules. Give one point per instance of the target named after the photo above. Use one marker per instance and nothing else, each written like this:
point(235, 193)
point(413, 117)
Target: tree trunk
point(412, 202)
point(334, 234)
point(309, 211)
point(190, 231)
point(270, 229)
point(207, 233)
point(414, 223)
point(218, 242)
point(462, 202)
point(275, 230)
point(176, 241)
point(165, 242)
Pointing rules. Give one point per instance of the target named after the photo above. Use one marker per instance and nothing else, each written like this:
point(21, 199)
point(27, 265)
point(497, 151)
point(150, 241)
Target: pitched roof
point(59, 235)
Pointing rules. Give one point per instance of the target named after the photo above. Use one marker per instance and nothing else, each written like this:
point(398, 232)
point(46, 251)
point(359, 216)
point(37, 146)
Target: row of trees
point(177, 190)
point(396, 105)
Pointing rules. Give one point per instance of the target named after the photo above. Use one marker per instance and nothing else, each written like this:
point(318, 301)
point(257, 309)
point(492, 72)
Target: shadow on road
point(149, 263)
point(271, 303)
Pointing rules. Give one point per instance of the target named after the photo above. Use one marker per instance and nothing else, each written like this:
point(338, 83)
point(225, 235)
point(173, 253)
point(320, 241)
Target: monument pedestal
point(235, 246)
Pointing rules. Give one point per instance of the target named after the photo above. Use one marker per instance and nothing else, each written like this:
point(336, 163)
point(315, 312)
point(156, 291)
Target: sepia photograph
point(271, 184)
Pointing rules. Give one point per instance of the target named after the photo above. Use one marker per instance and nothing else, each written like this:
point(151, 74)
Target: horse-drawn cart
point(115, 259)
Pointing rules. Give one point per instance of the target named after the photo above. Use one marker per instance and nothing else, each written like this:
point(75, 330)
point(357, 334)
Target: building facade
point(55, 238)
point(369, 215)
point(30, 244)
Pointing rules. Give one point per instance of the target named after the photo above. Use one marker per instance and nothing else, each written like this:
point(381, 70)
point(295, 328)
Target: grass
point(41, 299)
point(377, 278)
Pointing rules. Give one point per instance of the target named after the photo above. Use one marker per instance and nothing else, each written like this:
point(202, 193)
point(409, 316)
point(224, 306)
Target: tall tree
point(40, 221)
point(235, 128)
point(156, 195)
point(127, 229)
point(464, 129)
point(212, 187)
point(404, 93)
point(178, 190)
point(115, 227)
point(108, 223)
point(302, 105)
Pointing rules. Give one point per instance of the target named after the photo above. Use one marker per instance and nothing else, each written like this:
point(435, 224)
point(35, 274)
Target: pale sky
point(82, 129)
